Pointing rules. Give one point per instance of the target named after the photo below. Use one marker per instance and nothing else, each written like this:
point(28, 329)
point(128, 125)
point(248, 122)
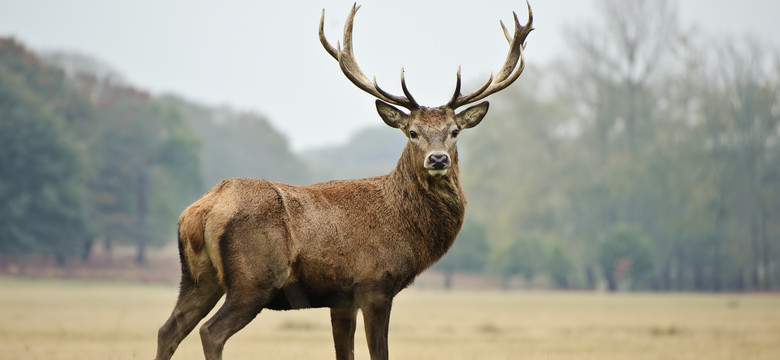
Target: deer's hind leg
point(239, 309)
point(255, 267)
point(195, 301)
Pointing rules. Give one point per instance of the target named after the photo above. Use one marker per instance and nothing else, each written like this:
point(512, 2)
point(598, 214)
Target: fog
point(266, 57)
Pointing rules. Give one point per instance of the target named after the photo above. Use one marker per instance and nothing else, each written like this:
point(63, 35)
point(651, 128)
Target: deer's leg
point(343, 322)
point(241, 307)
point(376, 315)
point(194, 303)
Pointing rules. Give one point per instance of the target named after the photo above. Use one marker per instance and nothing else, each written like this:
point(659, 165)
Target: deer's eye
point(413, 134)
point(455, 132)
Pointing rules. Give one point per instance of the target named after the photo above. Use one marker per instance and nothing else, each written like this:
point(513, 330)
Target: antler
point(505, 76)
point(349, 66)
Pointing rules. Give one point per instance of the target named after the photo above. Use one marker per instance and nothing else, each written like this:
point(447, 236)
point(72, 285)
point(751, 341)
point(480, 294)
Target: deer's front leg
point(343, 322)
point(376, 315)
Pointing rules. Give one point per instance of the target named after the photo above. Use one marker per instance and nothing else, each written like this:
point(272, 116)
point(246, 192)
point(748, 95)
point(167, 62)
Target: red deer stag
point(345, 245)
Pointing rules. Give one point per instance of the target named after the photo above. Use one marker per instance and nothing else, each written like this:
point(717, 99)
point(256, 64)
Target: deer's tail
point(199, 259)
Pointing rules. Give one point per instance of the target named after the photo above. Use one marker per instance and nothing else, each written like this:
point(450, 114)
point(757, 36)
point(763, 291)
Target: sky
point(265, 56)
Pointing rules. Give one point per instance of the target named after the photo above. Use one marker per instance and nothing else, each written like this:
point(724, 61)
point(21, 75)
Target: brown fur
point(341, 244)
point(346, 245)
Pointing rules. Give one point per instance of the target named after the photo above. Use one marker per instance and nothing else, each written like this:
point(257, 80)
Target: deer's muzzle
point(437, 163)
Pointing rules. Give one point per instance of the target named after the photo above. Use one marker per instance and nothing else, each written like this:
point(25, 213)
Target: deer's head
point(432, 131)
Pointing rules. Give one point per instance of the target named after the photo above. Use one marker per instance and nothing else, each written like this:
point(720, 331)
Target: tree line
point(647, 158)
point(86, 158)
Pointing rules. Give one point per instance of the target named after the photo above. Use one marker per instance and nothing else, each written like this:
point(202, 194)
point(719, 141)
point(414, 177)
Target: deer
point(347, 245)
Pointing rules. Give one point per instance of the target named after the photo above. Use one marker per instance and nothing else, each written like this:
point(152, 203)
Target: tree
point(148, 168)
point(740, 98)
point(615, 61)
point(42, 162)
point(625, 254)
point(524, 257)
point(146, 162)
point(620, 64)
point(558, 265)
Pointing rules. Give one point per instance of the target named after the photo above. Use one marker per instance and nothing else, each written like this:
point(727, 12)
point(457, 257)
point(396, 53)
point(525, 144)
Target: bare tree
point(614, 61)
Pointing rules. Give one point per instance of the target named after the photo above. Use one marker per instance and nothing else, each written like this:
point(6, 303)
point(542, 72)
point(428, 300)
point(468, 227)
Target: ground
point(77, 319)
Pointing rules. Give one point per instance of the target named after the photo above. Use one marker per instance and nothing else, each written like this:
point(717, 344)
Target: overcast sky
point(265, 56)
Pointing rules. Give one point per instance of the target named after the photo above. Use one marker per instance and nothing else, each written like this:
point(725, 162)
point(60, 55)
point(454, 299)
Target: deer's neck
point(432, 208)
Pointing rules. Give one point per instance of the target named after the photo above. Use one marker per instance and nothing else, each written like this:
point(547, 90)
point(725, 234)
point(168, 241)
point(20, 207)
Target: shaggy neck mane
point(433, 206)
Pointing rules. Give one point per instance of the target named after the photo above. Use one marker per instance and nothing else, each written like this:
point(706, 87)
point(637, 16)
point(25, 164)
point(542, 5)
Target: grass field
point(46, 319)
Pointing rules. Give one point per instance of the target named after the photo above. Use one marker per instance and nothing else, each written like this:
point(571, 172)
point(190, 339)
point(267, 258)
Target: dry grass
point(44, 319)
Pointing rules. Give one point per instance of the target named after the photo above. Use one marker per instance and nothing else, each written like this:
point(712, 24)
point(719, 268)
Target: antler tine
point(506, 32)
point(328, 47)
point(413, 104)
point(457, 89)
point(514, 55)
point(509, 72)
point(406, 91)
point(351, 70)
point(457, 96)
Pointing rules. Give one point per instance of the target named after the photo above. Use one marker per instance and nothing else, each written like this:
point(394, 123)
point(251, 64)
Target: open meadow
point(57, 319)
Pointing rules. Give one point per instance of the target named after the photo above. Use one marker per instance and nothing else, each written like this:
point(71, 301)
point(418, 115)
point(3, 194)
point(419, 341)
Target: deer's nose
point(438, 161)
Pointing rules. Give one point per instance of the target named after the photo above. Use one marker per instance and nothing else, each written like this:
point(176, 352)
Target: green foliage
point(86, 158)
point(42, 164)
point(83, 158)
point(147, 166)
point(558, 265)
point(624, 254)
point(676, 158)
point(644, 145)
point(524, 256)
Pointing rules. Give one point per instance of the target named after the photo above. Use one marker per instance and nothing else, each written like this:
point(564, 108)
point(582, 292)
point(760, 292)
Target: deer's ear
point(391, 115)
point(472, 116)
